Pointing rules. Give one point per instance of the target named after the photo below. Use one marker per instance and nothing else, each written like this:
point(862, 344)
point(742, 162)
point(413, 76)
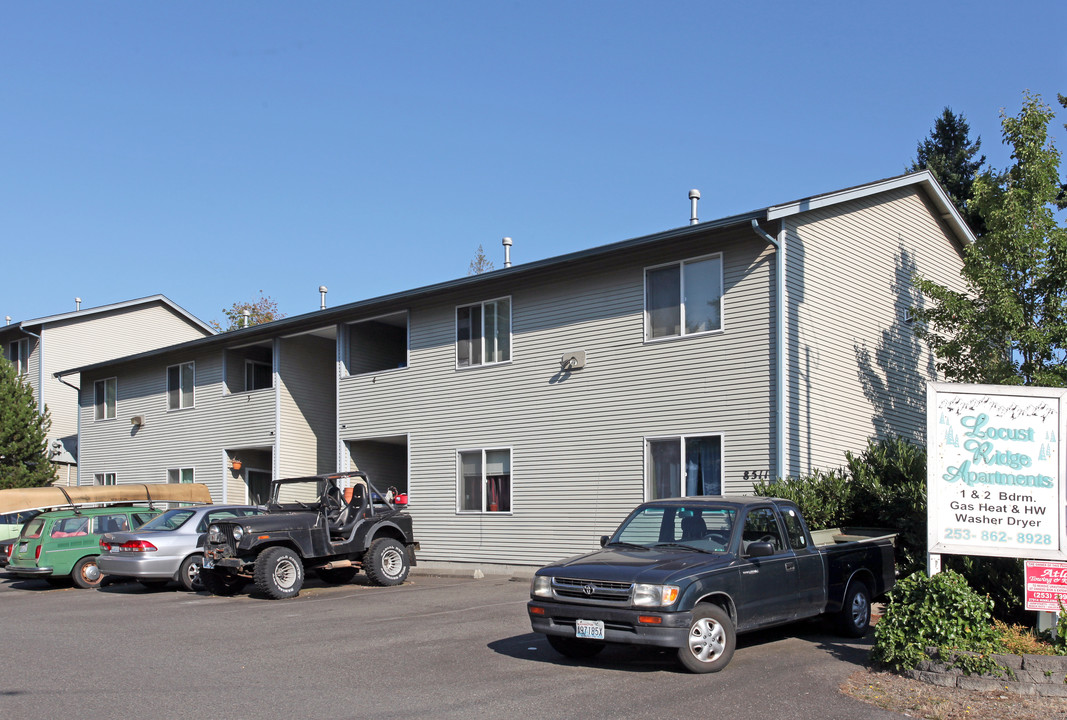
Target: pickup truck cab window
point(761, 526)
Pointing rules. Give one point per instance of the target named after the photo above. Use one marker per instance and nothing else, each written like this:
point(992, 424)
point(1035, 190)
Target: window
point(180, 386)
point(485, 481)
point(483, 333)
point(110, 523)
point(18, 352)
point(105, 398)
point(699, 474)
point(683, 298)
point(258, 375)
point(180, 475)
point(794, 528)
point(104, 479)
point(760, 526)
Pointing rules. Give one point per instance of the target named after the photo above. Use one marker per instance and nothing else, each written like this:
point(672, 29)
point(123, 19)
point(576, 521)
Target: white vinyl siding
point(307, 371)
point(106, 392)
point(854, 367)
point(180, 384)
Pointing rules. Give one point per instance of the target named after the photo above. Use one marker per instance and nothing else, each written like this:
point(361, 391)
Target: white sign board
point(995, 473)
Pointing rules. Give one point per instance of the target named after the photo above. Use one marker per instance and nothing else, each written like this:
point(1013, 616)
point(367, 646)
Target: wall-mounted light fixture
point(137, 420)
point(572, 361)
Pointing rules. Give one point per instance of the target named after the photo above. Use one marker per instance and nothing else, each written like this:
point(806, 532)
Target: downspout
point(78, 393)
point(779, 343)
point(40, 369)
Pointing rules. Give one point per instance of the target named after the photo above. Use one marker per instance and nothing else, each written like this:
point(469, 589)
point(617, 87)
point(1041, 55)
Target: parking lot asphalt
point(437, 646)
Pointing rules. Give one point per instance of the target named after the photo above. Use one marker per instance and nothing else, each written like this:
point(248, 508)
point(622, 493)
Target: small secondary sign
point(995, 477)
point(1046, 585)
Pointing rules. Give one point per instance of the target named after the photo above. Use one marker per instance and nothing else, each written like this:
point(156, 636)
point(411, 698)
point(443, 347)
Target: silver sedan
point(166, 547)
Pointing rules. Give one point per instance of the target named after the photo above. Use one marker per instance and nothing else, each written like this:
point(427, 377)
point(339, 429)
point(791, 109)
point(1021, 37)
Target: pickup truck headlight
point(541, 586)
point(654, 595)
point(238, 533)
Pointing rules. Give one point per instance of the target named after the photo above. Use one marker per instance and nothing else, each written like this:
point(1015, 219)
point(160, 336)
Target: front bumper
point(139, 566)
point(621, 625)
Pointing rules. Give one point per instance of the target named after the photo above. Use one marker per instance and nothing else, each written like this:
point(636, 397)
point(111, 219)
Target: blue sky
point(211, 150)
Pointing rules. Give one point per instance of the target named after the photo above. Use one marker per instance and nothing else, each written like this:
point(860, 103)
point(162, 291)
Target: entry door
point(768, 584)
point(258, 486)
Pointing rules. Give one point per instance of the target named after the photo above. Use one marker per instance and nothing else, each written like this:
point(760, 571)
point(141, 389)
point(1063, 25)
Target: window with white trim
point(483, 333)
point(18, 352)
point(683, 298)
point(684, 466)
point(105, 393)
point(104, 479)
point(180, 475)
point(180, 386)
point(484, 483)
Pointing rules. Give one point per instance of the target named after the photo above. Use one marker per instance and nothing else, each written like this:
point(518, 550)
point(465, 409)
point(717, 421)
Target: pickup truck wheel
point(86, 574)
point(279, 573)
point(855, 617)
point(221, 584)
point(189, 573)
point(711, 640)
point(575, 648)
point(386, 562)
point(336, 576)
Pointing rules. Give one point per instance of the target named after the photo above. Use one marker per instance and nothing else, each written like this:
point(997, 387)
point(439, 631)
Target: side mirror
point(603, 540)
point(760, 549)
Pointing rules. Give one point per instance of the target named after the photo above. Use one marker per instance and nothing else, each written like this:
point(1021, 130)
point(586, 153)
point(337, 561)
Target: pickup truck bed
point(692, 573)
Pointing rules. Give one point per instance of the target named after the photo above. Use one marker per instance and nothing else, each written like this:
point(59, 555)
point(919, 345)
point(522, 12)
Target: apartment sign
point(995, 471)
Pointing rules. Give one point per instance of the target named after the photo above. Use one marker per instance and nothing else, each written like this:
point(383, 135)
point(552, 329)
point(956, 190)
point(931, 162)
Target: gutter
point(779, 343)
point(40, 368)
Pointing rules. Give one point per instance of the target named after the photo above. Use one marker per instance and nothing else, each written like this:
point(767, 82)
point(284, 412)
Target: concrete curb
point(1043, 675)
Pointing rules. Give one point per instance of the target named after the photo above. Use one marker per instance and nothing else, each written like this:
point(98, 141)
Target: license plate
point(207, 564)
point(589, 629)
point(23, 547)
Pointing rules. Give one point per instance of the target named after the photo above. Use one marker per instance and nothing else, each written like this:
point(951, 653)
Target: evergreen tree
point(950, 155)
point(23, 434)
point(1010, 326)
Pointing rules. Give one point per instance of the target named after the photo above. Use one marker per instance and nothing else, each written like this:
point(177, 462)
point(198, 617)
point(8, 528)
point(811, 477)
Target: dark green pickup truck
point(692, 573)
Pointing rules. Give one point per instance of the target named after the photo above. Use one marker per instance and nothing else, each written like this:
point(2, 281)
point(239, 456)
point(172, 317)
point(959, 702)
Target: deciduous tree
point(259, 311)
point(1010, 325)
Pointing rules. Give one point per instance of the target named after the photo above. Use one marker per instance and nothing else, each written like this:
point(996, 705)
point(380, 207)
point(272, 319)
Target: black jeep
point(312, 523)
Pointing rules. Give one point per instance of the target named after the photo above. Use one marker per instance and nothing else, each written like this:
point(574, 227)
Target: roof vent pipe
point(246, 318)
point(322, 297)
point(77, 304)
point(694, 195)
point(8, 318)
point(506, 242)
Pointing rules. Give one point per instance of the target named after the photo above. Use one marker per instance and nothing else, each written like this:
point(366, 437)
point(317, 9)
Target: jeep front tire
point(386, 562)
point(279, 573)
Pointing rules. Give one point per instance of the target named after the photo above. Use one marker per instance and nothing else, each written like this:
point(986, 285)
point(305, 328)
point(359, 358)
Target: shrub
point(940, 611)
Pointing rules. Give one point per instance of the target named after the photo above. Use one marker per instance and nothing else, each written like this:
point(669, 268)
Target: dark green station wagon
point(64, 544)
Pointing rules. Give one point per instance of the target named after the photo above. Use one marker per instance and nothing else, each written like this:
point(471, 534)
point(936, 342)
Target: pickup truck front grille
point(592, 591)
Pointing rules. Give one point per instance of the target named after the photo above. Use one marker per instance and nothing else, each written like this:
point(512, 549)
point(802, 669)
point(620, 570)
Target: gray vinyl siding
point(577, 440)
point(100, 336)
point(307, 406)
point(855, 368)
point(194, 437)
